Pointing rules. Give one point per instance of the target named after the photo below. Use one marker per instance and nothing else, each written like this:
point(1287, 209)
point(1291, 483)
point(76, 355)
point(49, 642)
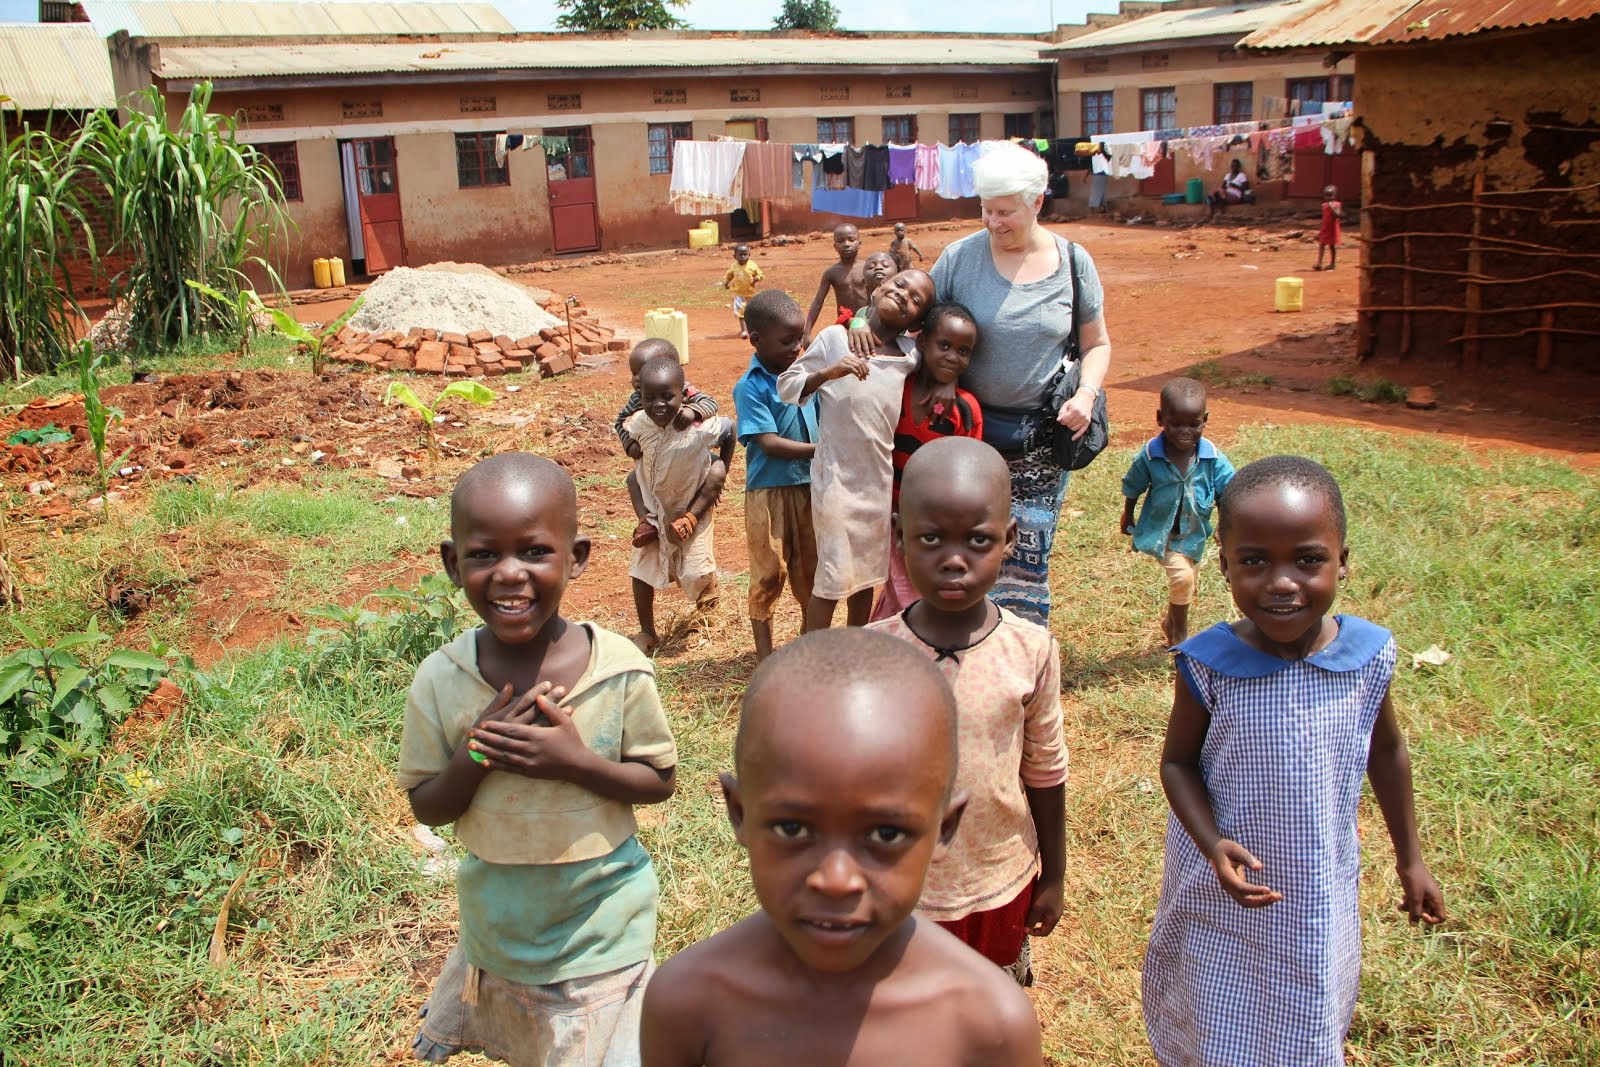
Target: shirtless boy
point(846, 278)
point(902, 248)
point(842, 793)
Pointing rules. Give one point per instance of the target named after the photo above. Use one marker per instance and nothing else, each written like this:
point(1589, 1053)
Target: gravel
point(451, 297)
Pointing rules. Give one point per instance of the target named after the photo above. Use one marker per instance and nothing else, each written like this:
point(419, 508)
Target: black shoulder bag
point(1068, 454)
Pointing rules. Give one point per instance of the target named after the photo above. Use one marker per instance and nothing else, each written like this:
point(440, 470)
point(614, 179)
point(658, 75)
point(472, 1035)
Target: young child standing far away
point(741, 279)
point(846, 278)
point(843, 790)
point(779, 441)
point(1255, 954)
point(536, 736)
point(679, 483)
point(852, 471)
point(1328, 234)
point(697, 406)
point(902, 248)
point(1001, 878)
point(932, 406)
point(1183, 473)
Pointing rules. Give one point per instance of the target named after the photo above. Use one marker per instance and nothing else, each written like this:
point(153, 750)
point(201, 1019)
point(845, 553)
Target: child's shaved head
point(954, 465)
point(648, 349)
point(663, 369)
point(1183, 394)
point(826, 663)
point(519, 475)
point(769, 309)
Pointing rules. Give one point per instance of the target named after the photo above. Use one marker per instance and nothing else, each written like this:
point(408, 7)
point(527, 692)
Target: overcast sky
point(1029, 16)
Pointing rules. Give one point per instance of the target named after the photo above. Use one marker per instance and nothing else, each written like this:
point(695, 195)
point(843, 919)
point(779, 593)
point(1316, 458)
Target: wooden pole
point(1547, 322)
point(1366, 321)
point(1469, 347)
point(1407, 291)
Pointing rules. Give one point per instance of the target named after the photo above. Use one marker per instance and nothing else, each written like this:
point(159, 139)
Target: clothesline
point(1135, 155)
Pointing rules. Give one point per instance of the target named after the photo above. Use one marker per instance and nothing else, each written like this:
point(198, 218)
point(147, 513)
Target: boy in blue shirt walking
point(779, 440)
point(1183, 475)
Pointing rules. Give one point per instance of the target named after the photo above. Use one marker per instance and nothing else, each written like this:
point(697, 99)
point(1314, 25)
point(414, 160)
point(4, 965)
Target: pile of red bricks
point(552, 350)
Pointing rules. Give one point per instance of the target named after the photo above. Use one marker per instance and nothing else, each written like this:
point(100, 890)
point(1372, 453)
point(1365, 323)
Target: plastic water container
point(700, 237)
point(672, 325)
point(711, 224)
point(1172, 198)
point(336, 270)
point(321, 274)
point(1194, 191)
point(1290, 294)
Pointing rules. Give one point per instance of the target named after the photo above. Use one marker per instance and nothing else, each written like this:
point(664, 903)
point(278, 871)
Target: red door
point(900, 203)
point(378, 197)
point(1163, 181)
point(574, 214)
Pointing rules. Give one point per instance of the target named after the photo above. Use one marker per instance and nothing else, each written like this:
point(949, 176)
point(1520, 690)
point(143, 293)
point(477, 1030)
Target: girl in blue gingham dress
point(1255, 954)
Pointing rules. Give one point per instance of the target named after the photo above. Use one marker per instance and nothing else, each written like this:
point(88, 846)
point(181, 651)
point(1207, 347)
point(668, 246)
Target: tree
point(611, 15)
point(807, 15)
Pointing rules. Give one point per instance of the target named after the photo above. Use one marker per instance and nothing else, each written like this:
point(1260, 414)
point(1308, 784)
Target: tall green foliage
point(186, 200)
point(41, 222)
point(615, 15)
point(821, 15)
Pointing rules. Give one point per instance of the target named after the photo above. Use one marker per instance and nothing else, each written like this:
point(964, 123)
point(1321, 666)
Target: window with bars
point(475, 164)
point(1158, 108)
point(663, 135)
point(285, 159)
point(1234, 102)
point(963, 128)
point(900, 129)
point(1097, 120)
point(836, 131)
point(1020, 125)
point(1319, 90)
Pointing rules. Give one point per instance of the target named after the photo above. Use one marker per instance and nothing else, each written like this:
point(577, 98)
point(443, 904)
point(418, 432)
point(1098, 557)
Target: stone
point(400, 359)
point(1422, 398)
point(590, 348)
point(487, 348)
point(431, 355)
point(504, 343)
point(463, 355)
point(479, 336)
point(456, 370)
point(453, 338)
point(529, 342)
point(558, 364)
point(616, 344)
point(420, 331)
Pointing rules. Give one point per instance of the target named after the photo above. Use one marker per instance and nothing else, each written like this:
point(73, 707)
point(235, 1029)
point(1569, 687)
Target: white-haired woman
point(1016, 277)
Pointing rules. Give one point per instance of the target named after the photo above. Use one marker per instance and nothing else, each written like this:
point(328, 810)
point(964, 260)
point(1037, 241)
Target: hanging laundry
point(928, 168)
point(767, 170)
point(902, 164)
point(833, 166)
point(949, 172)
point(1153, 153)
point(966, 156)
point(505, 143)
point(705, 175)
point(802, 153)
point(852, 203)
point(1308, 138)
point(1335, 135)
point(1275, 158)
point(875, 168)
point(1041, 145)
point(855, 167)
point(1203, 150)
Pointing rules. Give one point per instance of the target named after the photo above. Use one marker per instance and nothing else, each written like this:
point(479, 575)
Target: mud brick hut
point(1479, 123)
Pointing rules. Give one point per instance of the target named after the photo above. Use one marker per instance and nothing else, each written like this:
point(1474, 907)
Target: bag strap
point(1074, 351)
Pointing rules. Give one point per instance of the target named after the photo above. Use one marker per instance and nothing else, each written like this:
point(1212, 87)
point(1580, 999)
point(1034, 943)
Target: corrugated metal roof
point(577, 53)
point(1384, 22)
point(216, 18)
point(1230, 21)
point(60, 65)
point(1432, 21)
point(1336, 22)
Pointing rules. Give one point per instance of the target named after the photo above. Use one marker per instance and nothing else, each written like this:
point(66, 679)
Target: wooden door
point(378, 201)
point(574, 209)
point(1163, 181)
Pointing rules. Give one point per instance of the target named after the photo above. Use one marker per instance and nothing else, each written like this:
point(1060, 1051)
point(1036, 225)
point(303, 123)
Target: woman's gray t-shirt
point(1022, 329)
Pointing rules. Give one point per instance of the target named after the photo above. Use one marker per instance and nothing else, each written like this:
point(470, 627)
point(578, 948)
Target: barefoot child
point(779, 441)
point(741, 279)
point(852, 472)
point(1001, 878)
point(1328, 234)
point(536, 737)
point(1183, 473)
point(679, 482)
point(846, 278)
point(902, 248)
point(841, 794)
point(932, 406)
point(1255, 954)
point(697, 406)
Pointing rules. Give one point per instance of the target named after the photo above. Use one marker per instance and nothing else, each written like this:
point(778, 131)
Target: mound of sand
point(453, 298)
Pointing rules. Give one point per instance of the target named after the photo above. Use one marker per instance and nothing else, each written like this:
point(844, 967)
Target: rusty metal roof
point(180, 63)
point(1224, 23)
point(1336, 23)
point(1436, 19)
point(54, 65)
point(246, 18)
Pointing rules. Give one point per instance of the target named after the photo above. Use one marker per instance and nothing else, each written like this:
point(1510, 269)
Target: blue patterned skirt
point(1038, 488)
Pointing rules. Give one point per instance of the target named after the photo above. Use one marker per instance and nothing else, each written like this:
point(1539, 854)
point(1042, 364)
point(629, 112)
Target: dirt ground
point(1177, 297)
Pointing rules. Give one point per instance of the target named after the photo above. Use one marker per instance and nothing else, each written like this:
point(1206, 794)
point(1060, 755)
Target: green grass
point(280, 767)
point(1214, 372)
point(1381, 391)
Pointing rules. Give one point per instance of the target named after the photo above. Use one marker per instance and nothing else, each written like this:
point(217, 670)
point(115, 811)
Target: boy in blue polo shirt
point(779, 439)
point(1184, 474)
